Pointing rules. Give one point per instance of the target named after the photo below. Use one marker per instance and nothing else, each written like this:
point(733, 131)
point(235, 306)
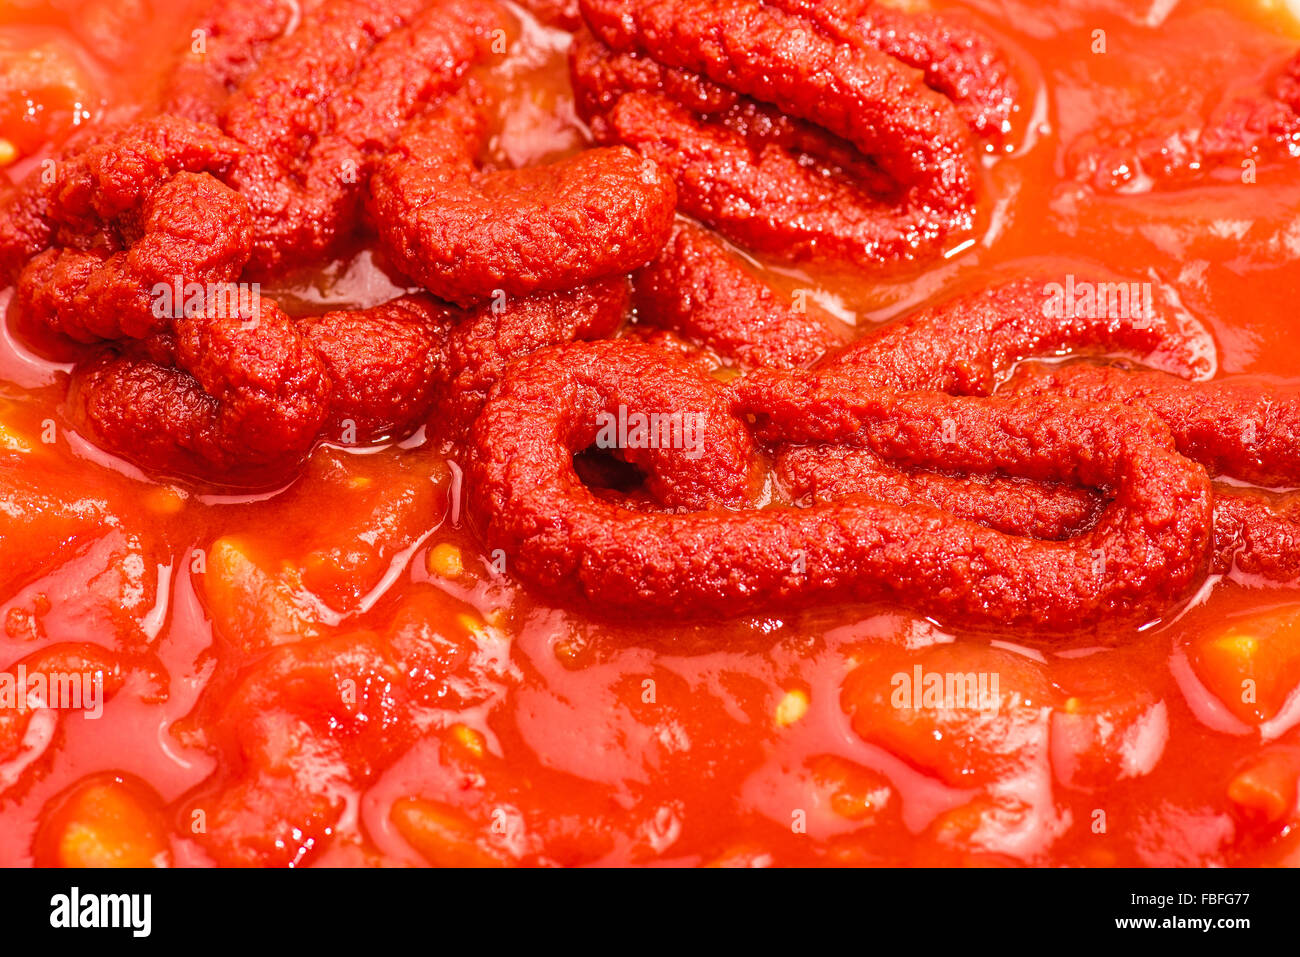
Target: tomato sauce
point(482, 722)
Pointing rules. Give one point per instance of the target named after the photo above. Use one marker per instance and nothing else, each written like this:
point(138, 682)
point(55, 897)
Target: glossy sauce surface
point(486, 726)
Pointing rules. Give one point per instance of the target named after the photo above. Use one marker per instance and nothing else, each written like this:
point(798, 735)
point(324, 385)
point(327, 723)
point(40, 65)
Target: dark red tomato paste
point(730, 432)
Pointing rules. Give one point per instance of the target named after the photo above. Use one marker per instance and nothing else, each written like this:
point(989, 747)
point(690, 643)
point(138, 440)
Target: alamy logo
point(74, 909)
point(63, 690)
point(214, 300)
point(947, 690)
point(654, 430)
point(1098, 300)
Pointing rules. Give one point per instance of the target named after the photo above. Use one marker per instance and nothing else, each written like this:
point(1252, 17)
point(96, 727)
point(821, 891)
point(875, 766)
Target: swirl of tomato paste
point(735, 98)
point(227, 43)
point(958, 61)
point(102, 197)
point(1247, 431)
point(478, 345)
point(464, 233)
point(230, 391)
point(415, 359)
point(715, 554)
point(702, 291)
point(1256, 532)
point(327, 100)
point(311, 112)
point(191, 229)
point(966, 346)
point(242, 400)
